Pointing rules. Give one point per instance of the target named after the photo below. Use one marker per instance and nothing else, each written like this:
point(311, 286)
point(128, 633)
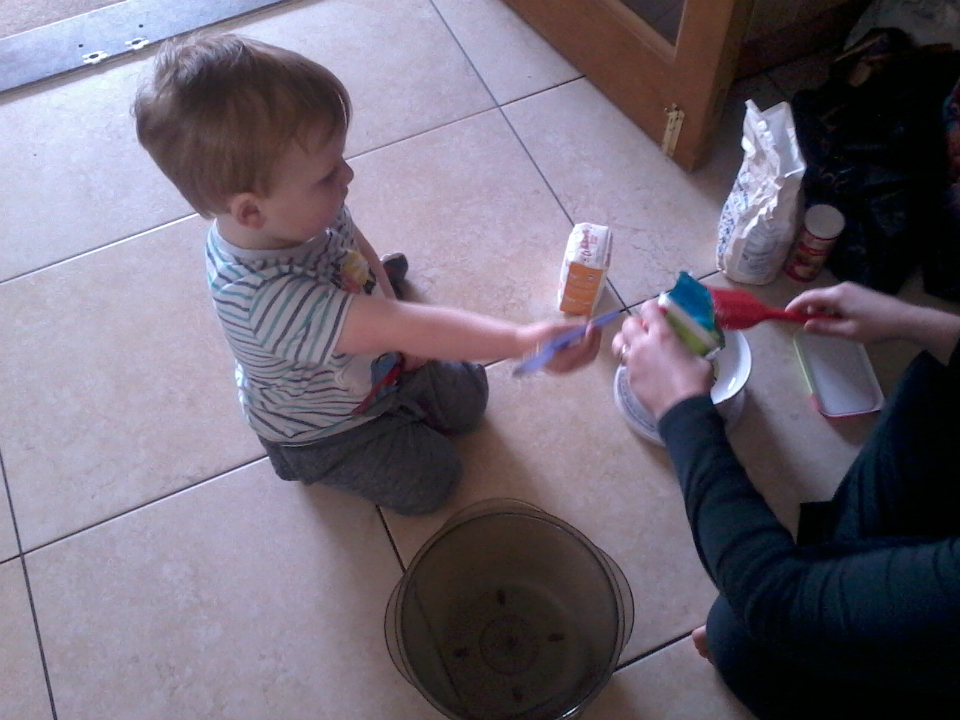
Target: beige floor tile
point(672, 684)
point(267, 601)
point(8, 538)
point(82, 179)
point(560, 443)
point(119, 386)
point(511, 57)
point(403, 69)
point(478, 224)
point(605, 170)
point(23, 693)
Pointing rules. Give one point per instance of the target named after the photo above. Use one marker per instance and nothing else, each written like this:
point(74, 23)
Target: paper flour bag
point(759, 219)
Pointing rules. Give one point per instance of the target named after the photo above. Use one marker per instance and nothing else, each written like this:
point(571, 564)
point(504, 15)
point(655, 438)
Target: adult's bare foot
point(699, 637)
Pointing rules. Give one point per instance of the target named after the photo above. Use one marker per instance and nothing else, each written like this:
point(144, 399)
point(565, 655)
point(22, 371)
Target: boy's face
point(309, 189)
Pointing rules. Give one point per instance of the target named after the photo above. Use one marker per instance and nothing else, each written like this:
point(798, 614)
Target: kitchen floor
point(151, 564)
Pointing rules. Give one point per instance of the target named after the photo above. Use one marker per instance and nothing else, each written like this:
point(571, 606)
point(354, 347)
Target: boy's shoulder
point(320, 259)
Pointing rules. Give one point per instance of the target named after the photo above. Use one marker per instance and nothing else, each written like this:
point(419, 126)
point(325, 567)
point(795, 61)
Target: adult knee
point(731, 650)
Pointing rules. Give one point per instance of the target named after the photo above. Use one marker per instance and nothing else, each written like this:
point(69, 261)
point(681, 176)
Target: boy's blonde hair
point(221, 110)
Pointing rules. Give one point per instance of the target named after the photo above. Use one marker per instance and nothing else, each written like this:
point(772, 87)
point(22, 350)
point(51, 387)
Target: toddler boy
point(344, 384)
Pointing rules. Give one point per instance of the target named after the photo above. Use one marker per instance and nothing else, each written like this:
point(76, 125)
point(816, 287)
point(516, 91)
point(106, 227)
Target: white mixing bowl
point(731, 367)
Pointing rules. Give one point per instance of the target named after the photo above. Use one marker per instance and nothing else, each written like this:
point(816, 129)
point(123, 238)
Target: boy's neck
point(249, 239)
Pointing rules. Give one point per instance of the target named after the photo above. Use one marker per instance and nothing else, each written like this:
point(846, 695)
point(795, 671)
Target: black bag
point(874, 142)
point(941, 261)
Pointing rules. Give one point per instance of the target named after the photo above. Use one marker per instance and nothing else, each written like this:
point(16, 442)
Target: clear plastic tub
point(509, 612)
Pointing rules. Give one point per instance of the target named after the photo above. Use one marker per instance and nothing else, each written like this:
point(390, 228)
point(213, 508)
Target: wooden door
point(657, 68)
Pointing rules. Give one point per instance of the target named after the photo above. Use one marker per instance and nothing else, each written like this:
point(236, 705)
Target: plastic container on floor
point(509, 612)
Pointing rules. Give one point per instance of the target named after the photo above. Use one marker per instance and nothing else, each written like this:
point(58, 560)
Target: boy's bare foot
point(699, 637)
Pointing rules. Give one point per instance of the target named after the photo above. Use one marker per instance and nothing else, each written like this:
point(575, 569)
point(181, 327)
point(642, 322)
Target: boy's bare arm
point(373, 260)
point(374, 325)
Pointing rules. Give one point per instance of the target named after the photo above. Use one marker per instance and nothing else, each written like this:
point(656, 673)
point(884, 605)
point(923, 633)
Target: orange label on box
point(580, 289)
point(585, 264)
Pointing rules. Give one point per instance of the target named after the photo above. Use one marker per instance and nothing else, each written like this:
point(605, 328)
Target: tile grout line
point(503, 114)
point(653, 651)
point(36, 628)
point(496, 106)
point(562, 83)
point(98, 248)
point(466, 55)
point(21, 557)
point(420, 133)
point(148, 503)
point(393, 543)
point(13, 516)
point(516, 135)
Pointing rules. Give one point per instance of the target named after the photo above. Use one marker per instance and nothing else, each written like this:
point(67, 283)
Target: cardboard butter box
point(585, 265)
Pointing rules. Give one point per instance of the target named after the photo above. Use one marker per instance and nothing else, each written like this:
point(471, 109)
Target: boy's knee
point(475, 397)
point(469, 397)
point(426, 491)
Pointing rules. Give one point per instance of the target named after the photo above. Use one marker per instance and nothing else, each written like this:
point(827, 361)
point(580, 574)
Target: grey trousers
point(402, 460)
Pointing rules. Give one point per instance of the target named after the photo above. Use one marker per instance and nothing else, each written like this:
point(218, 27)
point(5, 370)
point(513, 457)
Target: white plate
point(731, 366)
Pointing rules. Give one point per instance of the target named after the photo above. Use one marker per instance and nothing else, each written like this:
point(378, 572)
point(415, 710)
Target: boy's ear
point(246, 211)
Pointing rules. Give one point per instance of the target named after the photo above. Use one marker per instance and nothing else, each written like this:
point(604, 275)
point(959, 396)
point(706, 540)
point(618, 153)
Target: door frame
point(641, 72)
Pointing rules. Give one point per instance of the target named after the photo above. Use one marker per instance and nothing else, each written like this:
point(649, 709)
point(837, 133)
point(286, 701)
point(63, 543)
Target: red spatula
point(738, 310)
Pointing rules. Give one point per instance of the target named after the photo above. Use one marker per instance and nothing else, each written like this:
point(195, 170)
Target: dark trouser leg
point(770, 688)
point(774, 688)
point(905, 481)
point(903, 486)
point(450, 397)
point(401, 460)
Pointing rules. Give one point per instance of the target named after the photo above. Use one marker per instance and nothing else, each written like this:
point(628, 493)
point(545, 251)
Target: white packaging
point(759, 219)
point(585, 265)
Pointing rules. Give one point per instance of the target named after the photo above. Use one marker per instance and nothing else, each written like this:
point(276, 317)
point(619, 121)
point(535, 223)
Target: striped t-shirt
point(282, 312)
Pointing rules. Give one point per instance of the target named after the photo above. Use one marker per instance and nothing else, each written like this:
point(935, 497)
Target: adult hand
point(662, 371)
point(865, 315)
point(861, 314)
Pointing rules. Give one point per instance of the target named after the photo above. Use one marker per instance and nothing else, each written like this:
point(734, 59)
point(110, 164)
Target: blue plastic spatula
point(564, 340)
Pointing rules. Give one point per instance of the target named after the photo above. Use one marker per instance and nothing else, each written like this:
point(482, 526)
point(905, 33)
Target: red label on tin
point(808, 256)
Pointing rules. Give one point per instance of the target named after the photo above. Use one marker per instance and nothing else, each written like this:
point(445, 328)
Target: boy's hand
point(570, 358)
